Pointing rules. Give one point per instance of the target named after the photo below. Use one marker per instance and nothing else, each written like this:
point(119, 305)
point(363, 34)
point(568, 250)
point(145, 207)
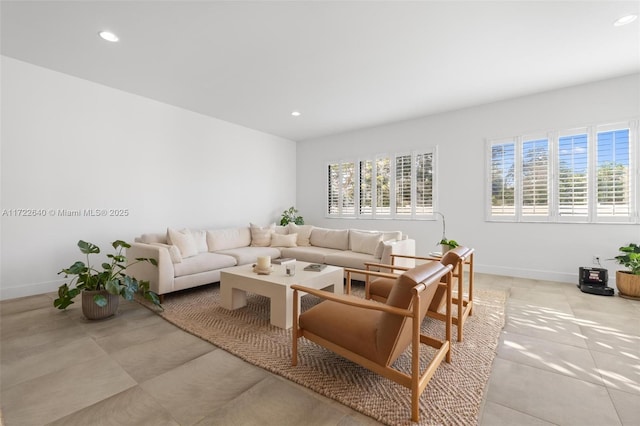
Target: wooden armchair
point(377, 286)
point(375, 334)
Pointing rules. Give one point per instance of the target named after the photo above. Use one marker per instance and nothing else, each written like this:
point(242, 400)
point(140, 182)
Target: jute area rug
point(452, 397)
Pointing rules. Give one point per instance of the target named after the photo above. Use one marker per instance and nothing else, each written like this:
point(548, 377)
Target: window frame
point(380, 212)
point(554, 170)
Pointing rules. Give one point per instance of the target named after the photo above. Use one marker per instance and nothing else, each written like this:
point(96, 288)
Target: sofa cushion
point(349, 259)
point(304, 233)
point(330, 238)
point(223, 239)
point(307, 254)
point(282, 230)
point(337, 323)
point(288, 240)
point(364, 242)
point(183, 240)
point(174, 253)
point(203, 262)
point(246, 255)
point(261, 235)
point(200, 237)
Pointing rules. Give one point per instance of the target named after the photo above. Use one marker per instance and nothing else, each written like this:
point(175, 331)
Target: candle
point(264, 262)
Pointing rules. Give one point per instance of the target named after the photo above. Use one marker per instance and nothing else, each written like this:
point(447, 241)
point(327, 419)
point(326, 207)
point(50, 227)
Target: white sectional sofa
point(189, 258)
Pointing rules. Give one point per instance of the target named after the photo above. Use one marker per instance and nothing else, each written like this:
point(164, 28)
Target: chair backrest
point(452, 257)
point(394, 331)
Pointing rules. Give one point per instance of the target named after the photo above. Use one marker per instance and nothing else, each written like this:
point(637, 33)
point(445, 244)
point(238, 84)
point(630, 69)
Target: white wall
point(71, 144)
point(536, 250)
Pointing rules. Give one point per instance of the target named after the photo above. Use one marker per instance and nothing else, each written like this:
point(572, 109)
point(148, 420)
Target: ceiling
point(344, 65)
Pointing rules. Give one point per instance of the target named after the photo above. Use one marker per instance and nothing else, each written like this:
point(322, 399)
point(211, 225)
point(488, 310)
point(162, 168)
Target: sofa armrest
point(401, 247)
point(161, 277)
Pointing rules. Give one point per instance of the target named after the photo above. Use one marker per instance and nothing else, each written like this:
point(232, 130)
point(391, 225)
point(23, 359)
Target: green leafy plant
point(451, 243)
point(630, 258)
point(111, 278)
point(291, 216)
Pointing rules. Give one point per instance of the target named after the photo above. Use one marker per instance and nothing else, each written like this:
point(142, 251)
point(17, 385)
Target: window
point(341, 189)
point(573, 176)
point(535, 178)
point(613, 174)
point(584, 175)
point(398, 186)
point(503, 179)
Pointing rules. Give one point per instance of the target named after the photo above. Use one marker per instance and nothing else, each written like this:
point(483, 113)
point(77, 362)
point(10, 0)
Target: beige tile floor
point(564, 358)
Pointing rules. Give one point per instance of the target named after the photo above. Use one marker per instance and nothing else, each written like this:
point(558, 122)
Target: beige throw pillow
point(304, 233)
point(200, 237)
point(174, 252)
point(183, 240)
point(288, 240)
point(261, 236)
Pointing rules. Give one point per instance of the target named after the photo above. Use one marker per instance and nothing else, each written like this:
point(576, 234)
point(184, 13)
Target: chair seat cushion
point(352, 328)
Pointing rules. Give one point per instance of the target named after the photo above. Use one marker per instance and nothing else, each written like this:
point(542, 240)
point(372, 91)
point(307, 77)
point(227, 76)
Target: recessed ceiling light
point(625, 20)
point(296, 113)
point(109, 36)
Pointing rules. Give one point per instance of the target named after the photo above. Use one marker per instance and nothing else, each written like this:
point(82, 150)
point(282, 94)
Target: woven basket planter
point(628, 285)
point(92, 311)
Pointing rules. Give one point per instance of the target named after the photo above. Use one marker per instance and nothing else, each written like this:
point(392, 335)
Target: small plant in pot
point(448, 245)
point(445, 243)
point(101, 289)
point(291, 216)
point(628, 282)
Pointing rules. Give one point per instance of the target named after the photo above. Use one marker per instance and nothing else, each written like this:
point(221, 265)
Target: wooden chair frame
point(465, 306)
point(417, 381)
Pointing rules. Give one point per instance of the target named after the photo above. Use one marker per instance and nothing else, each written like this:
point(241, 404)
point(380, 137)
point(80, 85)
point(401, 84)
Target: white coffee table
point(236, 281)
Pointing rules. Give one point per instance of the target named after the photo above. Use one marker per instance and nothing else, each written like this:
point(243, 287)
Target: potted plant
point(448, 245)
point(291, 216)
point(628, 282)
point(101, 289)
point(445, 243)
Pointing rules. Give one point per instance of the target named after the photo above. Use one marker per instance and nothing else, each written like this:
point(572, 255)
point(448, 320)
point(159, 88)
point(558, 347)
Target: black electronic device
point(594, 281)
point(595, 276)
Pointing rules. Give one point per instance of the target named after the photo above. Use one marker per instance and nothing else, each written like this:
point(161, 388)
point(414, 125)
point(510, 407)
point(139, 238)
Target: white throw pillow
point(288, 240)
point(304, 233)
point(261, 236)
point(200, 237)
point(380, 248)
point(282, 230)
point(364, 242)
point(174, 252)
point(183, 240)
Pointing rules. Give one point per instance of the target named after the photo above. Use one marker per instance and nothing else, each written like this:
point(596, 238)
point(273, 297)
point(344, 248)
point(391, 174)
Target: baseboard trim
point(533, 274)
point(29, 289)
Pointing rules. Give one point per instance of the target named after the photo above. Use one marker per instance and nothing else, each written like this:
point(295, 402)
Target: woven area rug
point(452, 397)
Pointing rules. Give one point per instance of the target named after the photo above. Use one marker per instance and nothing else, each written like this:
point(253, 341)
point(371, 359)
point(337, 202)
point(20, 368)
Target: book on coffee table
point(281, 260)
point(317, 267)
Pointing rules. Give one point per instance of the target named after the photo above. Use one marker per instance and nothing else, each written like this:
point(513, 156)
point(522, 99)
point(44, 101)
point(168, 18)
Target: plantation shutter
point(613, 174)
point(333, 191)
point(403, 185)
point(366, 187)
point(347, 196)
point(383, 186)
point(534, 178)
point(424, 184)
point(573, 176)
point(503, 158)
